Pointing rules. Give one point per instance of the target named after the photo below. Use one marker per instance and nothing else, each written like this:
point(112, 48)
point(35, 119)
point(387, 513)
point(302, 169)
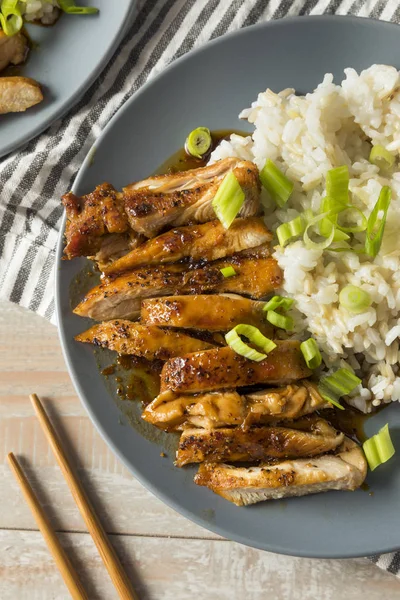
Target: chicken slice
point(222, 368)
point(181, 198)
point(150, 342)
point(13, 49)
point(18, 93)
point(345, 470)
point(121, 298)
point(149, 206)
point(206, 242)
point(193, 312)
point(115, 245)
point(309, 437)
point(218, 409)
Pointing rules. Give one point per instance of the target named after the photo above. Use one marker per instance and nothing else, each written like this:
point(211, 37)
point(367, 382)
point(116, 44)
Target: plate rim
point(70, 102)
point(143, 479)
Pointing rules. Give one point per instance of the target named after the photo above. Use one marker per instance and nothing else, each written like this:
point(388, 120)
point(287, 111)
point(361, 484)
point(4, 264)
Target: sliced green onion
point(255, 336)
point(291, 229)
point(278, 320)
point(198, 142)
point(337, 184)
point(377, 221)
point(276, 183)
point(228, 271)
point(354, 299)
point(228, 200)
point(325, 229)
point(279, 302)
point(69, 6)
point(312, 223)
point(311, 353)
point(381, 157)
point(339, 384)
point(379, 448)
point(10, 17)
point(352, 228)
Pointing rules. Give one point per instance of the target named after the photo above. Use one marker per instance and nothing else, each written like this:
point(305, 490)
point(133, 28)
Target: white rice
point(306, 136)
point(45, 11)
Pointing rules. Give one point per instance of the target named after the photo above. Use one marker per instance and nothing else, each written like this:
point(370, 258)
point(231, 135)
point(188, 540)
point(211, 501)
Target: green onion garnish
point(379, 448)
point(377, 221)
point(289, 230)
point(311, 225)
point(362, 226)
point(228, 271)
point(339, 384)
point(337, 184)
point(354, 299)
point(255, 336)
point(325, 229)
point(69, 6)
point(276, 183)
point(228, 200)
point(311, 353)
point(10, 17)
point(278, 320)
point(198, 142)
point(279, 302)
point(381, 157)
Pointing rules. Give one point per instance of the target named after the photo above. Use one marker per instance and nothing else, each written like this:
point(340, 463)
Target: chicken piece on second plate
point(309, 436)
point(227, 407)
point(18, 93)
point(205, 242)
point(121, 297)
point(222, 368)
point(149, 342)
point(345, 470)
point(13, 49)
point(193, 312)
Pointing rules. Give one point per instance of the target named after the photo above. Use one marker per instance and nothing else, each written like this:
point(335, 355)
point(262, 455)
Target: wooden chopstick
point(115, 570)
point(63, 563)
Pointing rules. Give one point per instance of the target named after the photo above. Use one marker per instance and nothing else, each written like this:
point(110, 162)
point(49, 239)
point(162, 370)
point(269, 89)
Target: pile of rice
point(45, 11)
point(306, 136)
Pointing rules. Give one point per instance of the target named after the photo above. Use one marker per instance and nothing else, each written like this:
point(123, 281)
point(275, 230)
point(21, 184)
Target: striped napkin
point(33, 179)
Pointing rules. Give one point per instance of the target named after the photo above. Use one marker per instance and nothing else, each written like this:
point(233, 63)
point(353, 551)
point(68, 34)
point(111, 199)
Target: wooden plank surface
point(172, 557)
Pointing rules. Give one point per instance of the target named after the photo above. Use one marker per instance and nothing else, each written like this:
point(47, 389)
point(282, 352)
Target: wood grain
point(166, 556)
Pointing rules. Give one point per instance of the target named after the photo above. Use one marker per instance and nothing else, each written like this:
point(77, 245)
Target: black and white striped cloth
point(33, 179)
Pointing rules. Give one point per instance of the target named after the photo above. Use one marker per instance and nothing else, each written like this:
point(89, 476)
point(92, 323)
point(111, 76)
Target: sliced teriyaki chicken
point(310, 436)
point(151, 205)
point(97, 226)
point(205, 242)
point(18, 93)
point(193, 312)
point(223, 368)
point(150, 342)
point(13, 49)
point(345, 470)
point(181, 198)
point(121, 298)
point(211, 410)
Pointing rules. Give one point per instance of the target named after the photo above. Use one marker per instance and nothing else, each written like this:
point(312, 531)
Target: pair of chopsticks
point(106, 551)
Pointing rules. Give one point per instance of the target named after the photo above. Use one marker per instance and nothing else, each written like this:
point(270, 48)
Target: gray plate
point(209, 87)
point(67, 59)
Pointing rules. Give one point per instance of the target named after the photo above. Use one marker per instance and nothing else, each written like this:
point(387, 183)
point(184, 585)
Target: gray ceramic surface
point(209, 87)
point(66, 59)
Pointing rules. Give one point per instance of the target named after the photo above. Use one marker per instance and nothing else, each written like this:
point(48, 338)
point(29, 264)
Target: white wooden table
point(167, 557)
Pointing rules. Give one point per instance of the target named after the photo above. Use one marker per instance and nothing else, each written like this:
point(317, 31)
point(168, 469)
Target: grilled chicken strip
point(218, 409)
point(346, 470)
point(182, 198)
point(193, 312)
point(223, 368)
point(121, 297)
point(206, 242)
point(13, 49)
point(115, 245)
point(18, 93)
point(150, 342)
point(149, 206)
point(310, 437)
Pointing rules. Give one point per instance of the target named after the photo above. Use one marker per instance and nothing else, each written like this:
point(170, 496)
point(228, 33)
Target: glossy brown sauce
point(351, 421)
